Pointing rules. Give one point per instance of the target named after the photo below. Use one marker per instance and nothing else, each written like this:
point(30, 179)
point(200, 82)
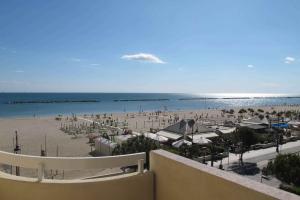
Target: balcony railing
point(169, 177)
point(72, 163)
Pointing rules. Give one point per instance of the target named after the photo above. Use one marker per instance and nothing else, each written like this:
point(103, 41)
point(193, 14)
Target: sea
point(50, 104)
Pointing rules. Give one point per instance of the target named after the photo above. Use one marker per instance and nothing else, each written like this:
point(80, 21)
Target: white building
point(104, 146)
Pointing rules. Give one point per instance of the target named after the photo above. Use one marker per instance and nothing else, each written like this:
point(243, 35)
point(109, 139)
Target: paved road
point(262, 154)
point(270, 156)
point(262, 161)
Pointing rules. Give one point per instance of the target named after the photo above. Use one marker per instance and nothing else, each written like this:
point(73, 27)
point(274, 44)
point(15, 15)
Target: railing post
point(141, 166)
point(41, 172)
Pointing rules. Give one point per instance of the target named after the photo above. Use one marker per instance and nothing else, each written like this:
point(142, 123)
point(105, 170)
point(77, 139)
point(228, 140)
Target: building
point(156, 137)
point(225, 130)
point(180, 129)
point(256, 124)
point(104, 147)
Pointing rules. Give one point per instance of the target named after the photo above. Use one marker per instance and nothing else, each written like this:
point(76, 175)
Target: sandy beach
point(33, 131)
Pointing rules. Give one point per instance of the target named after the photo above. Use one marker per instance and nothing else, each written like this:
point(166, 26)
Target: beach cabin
point(104, 147)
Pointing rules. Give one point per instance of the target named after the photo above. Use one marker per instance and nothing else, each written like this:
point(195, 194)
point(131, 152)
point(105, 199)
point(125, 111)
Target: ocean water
point(45, 104)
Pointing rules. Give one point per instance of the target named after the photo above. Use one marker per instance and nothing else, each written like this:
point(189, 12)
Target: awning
point(204, 135)
point(280, 125)
point(178, 143)
point(199, 139)
point(156, 137)
point(169, 135)
point(226, 131)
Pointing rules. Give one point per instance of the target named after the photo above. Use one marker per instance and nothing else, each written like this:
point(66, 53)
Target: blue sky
point(150, 46)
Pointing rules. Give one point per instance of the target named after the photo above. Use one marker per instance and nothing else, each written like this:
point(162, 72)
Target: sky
point(192, 46)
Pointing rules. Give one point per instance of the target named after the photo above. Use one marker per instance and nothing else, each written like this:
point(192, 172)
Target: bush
point(136, 145)
point(290, 188)
point(286, 168)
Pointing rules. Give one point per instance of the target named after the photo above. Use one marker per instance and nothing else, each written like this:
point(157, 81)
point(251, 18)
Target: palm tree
point(225, 144)
point(191, 124)
point(212, 153)
point(278, 138)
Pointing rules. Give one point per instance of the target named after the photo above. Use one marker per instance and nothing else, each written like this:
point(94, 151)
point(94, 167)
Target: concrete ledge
point(177, 177)
point(128, 186)
point(70, 163)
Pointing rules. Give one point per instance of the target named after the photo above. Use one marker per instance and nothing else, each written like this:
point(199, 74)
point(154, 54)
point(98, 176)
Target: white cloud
point(76, 59)
point(250, 66)
point(19, 71)
point(94, 64)
point(143, 57)
point(289, 60)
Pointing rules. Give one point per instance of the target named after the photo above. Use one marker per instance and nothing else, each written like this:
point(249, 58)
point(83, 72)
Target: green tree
point(213, 152)
point(288, 113)
point(261, 117)
point(184, 151)
point(278, 137)
point(136, 145)
point(286, 167)
point(189, 151)
point(243, 139)
point(191, 124)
